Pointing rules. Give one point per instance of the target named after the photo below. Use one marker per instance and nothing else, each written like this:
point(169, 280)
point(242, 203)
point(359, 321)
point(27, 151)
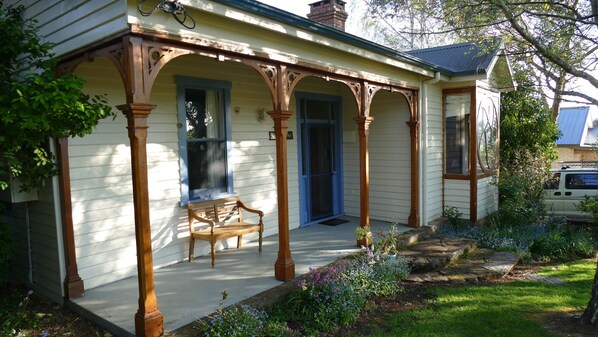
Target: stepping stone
point(435, 253)
point(480, 265)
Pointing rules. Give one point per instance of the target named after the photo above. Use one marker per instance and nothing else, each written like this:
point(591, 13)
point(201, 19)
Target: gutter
point(298, 21)
point(423, 160)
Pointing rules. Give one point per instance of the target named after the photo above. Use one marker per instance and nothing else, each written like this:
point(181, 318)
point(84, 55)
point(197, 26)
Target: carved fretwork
point(411, 97)
point(66, 68)
point(269, 73)
point(280, 80)
point(355, 88)
point(156, 56)
point(369, 96)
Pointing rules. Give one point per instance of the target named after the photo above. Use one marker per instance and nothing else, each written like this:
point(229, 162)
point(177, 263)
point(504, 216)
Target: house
point(579, 134)
point(219, 97)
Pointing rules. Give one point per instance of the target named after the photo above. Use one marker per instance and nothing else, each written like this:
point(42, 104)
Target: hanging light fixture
point(171, 7)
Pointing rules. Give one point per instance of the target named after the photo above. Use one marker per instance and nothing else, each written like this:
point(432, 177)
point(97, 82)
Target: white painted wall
point(434, 153)
point(390, 161)
point(70, 25)
point(487, 197)
point(456, 194)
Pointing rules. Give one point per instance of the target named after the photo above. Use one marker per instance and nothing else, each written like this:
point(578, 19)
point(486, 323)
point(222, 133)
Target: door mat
point(333, 222)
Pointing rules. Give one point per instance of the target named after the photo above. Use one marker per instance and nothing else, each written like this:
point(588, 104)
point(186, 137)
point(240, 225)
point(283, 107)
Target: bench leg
point(260, 241)
point(213, 253)
point(239, 241)
point(191, 248)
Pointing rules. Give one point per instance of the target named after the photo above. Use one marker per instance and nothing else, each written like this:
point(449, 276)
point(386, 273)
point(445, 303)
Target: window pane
point(457, 133)
point(207, 168)
point(487, 134)
point(206, 143)
point(582, 181)
point(204, 114)
point(318, 110)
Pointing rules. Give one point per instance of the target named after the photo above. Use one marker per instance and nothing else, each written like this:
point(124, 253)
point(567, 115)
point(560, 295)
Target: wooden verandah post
point(149, 321)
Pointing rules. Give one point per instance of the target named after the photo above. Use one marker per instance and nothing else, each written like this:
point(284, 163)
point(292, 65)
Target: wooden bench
point(221, 219)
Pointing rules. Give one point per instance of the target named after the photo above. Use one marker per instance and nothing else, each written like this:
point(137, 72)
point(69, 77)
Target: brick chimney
point(329, 12)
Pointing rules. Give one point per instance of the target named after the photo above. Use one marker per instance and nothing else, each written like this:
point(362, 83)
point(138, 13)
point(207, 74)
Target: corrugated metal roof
point(461, 59)
point(572, 123)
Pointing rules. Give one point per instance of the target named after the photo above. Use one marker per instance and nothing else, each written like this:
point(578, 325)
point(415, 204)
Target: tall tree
point(559, 39)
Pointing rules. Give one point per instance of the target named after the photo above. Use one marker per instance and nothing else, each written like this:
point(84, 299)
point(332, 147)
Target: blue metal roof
point(572, 123)
point(461, 59)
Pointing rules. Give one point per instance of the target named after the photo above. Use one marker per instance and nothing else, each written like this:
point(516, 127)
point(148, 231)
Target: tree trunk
point(590, 315)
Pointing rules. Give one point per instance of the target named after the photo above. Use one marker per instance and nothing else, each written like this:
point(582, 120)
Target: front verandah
point(187, 291)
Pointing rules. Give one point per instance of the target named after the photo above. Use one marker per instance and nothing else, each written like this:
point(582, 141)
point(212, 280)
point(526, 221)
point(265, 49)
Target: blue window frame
point(204, 138)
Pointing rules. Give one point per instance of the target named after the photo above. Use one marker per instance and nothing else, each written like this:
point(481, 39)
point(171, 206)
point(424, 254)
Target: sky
point(299, 7)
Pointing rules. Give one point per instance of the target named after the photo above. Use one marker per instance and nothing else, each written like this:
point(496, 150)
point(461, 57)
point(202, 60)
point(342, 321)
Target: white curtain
point(214, 115)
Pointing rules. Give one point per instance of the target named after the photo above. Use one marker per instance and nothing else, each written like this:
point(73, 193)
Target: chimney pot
point(329, 12)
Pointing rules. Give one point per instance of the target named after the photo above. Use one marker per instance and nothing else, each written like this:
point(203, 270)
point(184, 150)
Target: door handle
point(557, 193)
point(567, 193)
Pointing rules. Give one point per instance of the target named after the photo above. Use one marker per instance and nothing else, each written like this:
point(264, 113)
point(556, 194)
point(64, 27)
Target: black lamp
point(171, 7)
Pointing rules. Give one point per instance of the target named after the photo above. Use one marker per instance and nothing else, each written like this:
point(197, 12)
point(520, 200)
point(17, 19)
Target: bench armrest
point(251, 210)
point(192, 214)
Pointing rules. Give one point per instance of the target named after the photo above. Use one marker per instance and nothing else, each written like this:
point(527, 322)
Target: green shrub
point(541, 241)
point(590, 205)
point(335, 295)
point(563, 242)
point(454, 217)
point(236, 321)
point(7, 246)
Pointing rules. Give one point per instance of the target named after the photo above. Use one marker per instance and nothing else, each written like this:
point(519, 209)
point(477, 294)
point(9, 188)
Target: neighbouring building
point(579, 135)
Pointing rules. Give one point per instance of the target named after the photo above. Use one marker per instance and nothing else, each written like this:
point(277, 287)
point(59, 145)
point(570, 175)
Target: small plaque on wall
point(272, 135)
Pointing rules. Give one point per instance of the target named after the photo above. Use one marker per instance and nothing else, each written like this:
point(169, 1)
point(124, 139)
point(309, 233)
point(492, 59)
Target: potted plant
point(364, 237)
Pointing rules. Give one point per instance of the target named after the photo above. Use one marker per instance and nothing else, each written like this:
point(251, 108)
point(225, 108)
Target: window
point(204, 138)
point(487, 133)
point(456, 125)
point(553, 182)
point(581, 181)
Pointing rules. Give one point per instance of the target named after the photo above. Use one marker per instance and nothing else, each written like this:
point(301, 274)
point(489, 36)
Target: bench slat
point(221, 219)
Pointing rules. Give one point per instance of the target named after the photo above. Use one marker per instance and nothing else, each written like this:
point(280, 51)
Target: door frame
point(338, 177)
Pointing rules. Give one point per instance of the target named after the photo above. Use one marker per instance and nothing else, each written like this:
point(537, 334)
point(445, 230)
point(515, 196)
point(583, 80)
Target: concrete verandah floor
point(187, 291)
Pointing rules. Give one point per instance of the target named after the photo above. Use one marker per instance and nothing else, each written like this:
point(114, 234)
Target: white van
point(567, 188)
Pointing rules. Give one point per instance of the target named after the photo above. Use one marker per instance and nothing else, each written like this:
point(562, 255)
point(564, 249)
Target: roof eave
point(304, 23)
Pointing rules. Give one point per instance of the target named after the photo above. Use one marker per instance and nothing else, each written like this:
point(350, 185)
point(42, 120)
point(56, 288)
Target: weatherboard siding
point(70, 25)
point(45, 260)
point(456, 194)
point(390, 161)
point(487, 197)
point(433, 145)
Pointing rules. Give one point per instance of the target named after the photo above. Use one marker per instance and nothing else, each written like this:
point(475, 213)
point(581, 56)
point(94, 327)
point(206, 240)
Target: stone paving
point(437, 259)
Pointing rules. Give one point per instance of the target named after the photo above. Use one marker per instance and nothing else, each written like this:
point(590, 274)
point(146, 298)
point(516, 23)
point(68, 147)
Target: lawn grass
point(507, 309)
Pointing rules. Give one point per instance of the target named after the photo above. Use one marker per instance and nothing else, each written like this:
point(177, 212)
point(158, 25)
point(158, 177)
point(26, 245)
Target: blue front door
point(320, 153)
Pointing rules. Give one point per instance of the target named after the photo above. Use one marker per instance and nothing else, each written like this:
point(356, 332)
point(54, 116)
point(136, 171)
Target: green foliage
point(528, 132)
point(556, 240)
point(14, 314)
point(590, 205)
point(387, 243)
point(236, 321)
point(7, 246)
point(454, 216)
point(334, 296)
point(35, 105)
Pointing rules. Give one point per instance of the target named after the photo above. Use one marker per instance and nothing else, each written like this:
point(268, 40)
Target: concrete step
point(414, 235)
point(435, 253)
point(479, 265)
